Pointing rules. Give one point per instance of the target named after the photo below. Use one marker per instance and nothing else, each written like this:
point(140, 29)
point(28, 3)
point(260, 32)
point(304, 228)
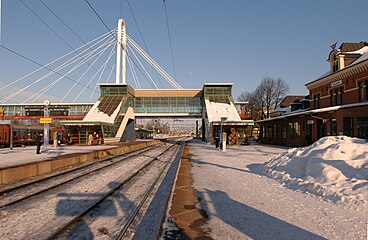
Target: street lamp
point(223, 119)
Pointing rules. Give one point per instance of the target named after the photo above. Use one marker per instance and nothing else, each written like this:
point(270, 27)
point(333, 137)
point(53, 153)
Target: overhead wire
point(64, 23)
point(170, 42)
point(141, 34)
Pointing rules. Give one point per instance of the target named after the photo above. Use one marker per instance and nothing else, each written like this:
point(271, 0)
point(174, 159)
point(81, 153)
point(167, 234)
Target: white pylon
point(121, 47)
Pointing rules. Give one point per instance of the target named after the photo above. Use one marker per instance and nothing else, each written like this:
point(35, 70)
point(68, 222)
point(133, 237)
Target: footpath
point(227, 195)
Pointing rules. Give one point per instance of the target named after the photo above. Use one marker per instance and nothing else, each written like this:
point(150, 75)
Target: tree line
point(266, 97)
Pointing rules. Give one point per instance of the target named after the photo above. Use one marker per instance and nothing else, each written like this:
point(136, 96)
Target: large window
point(294, 130)
point(349, 126)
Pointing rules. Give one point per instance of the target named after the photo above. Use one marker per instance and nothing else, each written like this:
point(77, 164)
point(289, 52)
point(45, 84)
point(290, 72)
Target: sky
point(237, 41)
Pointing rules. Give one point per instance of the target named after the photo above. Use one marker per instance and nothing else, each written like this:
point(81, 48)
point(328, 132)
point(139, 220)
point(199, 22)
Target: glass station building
point(120, 109)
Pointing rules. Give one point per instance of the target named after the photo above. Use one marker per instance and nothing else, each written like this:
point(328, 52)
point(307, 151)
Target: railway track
point(20, 192)
point(97, 209)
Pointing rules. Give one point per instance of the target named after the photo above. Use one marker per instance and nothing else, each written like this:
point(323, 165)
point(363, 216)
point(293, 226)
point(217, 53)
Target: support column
point(121, 48)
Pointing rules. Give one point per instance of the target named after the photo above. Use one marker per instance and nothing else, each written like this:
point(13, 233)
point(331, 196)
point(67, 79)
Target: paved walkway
point(243, 203)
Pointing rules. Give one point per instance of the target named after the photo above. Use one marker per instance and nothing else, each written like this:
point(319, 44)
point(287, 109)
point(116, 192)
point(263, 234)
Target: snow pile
point(335, 168)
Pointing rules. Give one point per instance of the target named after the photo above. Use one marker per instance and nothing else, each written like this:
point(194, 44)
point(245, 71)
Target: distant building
point(338, 102)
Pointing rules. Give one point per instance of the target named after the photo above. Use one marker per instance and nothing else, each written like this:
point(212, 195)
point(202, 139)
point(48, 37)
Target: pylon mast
point(121, 48)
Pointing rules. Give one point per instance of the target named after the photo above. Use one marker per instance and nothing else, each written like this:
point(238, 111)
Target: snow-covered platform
point(241, 201)
point(20, 156)
point(22, 163)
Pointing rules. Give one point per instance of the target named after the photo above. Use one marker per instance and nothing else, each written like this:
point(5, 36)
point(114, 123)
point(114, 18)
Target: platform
point(22, 163)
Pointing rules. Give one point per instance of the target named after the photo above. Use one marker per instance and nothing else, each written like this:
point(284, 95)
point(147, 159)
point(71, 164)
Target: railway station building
point(121, 111)
point(338, 103)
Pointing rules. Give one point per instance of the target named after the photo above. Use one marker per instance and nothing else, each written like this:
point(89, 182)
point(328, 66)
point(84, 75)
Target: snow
point(217, 110)
point(334, 167)
point(243, 202)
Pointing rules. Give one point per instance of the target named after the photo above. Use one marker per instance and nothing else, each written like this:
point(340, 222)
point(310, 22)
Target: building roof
point(352, 46)
point(319, 110)
point(288, 100)
point(360, 64)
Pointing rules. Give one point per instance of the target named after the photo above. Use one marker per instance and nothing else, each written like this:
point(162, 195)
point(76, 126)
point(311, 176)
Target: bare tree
point(281, 89)
point(266, 96)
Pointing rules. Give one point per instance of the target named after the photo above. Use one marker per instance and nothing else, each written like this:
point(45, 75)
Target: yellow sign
point(45, 120)
point(2, 112)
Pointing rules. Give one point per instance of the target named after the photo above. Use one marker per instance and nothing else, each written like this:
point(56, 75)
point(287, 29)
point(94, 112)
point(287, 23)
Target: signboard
point(45, 120)
point(336, 83)
point(2, 112)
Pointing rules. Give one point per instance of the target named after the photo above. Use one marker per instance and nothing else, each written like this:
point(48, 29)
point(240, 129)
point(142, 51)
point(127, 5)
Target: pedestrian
point(38, 143)
point(90, 139)
point(54, 137)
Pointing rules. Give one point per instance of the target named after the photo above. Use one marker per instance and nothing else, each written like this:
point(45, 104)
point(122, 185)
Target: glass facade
point(220, 94)
point(37, 110)
point(190, 105)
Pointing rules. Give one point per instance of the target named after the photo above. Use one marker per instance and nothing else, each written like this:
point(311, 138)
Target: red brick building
point(338, 102)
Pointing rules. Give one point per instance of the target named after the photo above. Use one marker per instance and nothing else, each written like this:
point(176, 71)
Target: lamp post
point(223, 119)
point(46, 114)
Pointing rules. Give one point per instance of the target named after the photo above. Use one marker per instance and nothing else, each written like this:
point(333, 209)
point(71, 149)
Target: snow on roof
point(217, 110)
point(95, 115)
point(319, 110)
point(335, 167)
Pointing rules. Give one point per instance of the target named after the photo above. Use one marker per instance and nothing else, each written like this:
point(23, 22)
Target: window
point(333, 127)
point(342, 96)
point(349, 126)
point(294, 130)
point(363, 127)
point(361, 93)
point(336, 96)
point(331, 98)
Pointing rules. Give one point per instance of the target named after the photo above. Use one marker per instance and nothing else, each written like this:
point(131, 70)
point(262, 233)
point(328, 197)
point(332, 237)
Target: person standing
point(55, 138)
point(90, 139)
point(38, 143)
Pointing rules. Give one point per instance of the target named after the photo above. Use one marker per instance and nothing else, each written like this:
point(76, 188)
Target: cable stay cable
point(84, 58)
point(100, 70)
point(134, 74)
point(93, 92)
point(85, 72)
point(154, 64)
point(47, 25)
point(52, 71)
point(48, 64)
point(64, 23)
point(140, 63)
point(35, 62)
point(86, 86)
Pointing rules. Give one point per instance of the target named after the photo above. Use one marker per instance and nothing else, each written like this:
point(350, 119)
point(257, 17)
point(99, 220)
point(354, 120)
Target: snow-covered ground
point(243, 202)
point(335, 168)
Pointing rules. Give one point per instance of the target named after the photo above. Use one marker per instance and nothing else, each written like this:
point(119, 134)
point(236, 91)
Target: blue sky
point(237, 41)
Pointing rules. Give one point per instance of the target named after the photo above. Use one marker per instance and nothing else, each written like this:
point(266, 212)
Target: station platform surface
point(25, 155)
